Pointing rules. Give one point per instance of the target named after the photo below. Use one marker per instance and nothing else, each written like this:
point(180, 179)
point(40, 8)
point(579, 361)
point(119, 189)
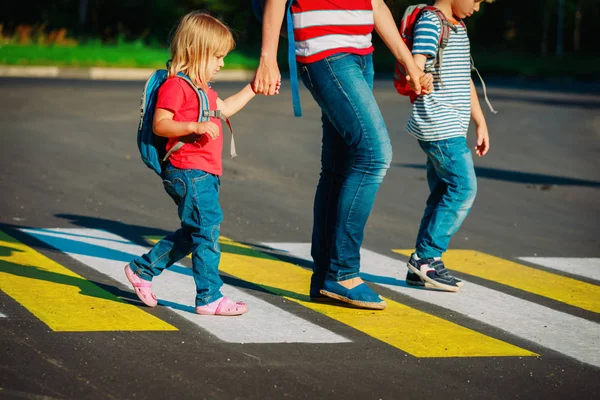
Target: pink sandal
point(223, 306)
point(142, 288)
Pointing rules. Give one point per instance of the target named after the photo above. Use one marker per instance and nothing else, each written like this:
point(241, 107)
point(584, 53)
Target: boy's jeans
point(355, 156)
point(196, 194)
point(453, 186)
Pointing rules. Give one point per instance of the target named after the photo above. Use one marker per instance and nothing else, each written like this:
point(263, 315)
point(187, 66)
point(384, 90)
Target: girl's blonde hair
point(198, 36)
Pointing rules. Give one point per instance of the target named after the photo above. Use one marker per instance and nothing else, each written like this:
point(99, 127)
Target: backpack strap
point(292, 61)
point(484, 87)
point(257, 9)
point(204, 115)
point(446, 27)
point(207, 114)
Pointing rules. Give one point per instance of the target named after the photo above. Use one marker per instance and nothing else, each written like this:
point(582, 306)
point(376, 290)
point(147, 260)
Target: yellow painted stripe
point(62, 299)
point(413, 331)
point(566, 290)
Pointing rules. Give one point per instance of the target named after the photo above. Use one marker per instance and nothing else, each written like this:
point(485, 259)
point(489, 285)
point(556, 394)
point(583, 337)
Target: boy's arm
point(267, 74)
point(386, 28)
point(425, 46)
point(481, 129)
point(236, 102)
point(420, 60)
point(426, 79)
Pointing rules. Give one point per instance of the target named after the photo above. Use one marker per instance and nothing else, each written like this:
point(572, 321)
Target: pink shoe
point(223, 306)
point(142, 288)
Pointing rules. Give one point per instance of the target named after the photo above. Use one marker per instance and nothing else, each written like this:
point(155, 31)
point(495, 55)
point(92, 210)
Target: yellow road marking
point(566, 290)
point(62, 299)
point(413, 331)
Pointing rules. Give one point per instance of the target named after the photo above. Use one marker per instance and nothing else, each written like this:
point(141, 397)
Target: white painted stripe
point(125, 74)
point(3, 315)
point(175, 289)
point(586, 267)
point(29, 71)
point(317, 45)
point(333, 18)
point(567, 334)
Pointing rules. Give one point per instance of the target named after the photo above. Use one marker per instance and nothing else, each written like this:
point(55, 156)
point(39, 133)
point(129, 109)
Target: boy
point(440, 121)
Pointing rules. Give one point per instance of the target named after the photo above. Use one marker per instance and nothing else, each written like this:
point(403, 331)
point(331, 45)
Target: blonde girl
point(192, 174)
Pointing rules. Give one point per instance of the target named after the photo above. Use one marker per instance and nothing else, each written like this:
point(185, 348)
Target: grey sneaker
point(432, 273)
point(415, 280)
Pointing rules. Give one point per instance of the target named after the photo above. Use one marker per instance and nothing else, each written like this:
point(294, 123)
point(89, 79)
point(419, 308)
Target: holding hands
point(267, 80)
point(426, 81)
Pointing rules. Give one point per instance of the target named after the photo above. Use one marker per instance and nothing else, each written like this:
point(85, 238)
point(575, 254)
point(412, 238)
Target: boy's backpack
point(287, 31)
point(153, 147)
point(407, 28)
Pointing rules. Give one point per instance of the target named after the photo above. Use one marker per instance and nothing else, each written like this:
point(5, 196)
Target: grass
point(137, 55)
point(515, 65)
point(583, 68)
point(96, 55)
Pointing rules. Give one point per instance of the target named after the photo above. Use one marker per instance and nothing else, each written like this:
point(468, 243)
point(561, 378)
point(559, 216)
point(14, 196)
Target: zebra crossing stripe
point(584, 267)
point(62, 299)
point(3, 315)
point(560, 288)
point(573, 336)
point(403, 327)
point(265, 323)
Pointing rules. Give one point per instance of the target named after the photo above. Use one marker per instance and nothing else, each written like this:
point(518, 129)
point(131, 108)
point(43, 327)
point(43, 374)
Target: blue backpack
point(287, 30)
point(153, 147)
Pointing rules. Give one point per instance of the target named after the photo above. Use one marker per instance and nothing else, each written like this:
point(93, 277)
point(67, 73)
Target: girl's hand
point(483, 140)
point(278, 86)
point(426, 83)
point(206, 128)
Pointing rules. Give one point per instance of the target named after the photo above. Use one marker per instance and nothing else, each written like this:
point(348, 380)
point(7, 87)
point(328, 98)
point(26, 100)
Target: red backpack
point(407, 27)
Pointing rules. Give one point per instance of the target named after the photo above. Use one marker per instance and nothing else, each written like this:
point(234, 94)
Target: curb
point(96, 73)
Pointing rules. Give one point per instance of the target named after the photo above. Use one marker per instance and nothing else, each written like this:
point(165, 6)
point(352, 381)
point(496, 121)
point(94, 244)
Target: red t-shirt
point(178, 97)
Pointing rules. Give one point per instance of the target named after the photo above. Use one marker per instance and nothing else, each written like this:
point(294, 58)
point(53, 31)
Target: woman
point(334, 55)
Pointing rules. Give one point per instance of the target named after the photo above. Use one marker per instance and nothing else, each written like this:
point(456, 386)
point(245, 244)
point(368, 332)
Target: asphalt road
point(68, 159)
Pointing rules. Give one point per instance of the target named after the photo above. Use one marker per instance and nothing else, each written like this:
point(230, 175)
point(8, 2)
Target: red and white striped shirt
point(326, 27)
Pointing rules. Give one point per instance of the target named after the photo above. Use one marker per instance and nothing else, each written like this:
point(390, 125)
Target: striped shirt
point(326, 27)
point(445, 112)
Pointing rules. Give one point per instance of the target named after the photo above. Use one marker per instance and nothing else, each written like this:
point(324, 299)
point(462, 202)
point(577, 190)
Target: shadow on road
point(547, 101)
point(74, 243)
point(519, 177)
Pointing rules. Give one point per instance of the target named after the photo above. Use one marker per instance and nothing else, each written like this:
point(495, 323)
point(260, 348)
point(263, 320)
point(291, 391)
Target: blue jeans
point(355, 156)
point(453, 186)
point(196, 194)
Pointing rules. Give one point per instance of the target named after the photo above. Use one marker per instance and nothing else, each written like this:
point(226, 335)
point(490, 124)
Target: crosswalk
point(62, 299)
point(108, 253)
point(66, 301)
point(583, 267)
point(521, 318)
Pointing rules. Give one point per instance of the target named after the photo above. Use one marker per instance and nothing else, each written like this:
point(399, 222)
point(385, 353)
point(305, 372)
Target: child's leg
point(437, 188)
point(452, 163)
point(170, 249)
point(177, 245)
point(204, 224)
point(165, 253)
